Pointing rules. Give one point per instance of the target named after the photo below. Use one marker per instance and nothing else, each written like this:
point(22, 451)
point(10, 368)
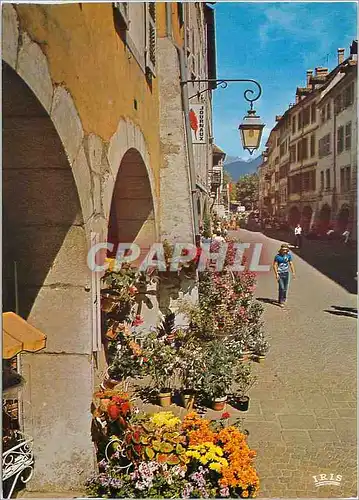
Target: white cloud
point(294, 20)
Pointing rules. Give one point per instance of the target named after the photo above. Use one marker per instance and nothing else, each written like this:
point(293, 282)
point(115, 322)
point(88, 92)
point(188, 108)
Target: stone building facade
point(95, 148)
point(317, 157)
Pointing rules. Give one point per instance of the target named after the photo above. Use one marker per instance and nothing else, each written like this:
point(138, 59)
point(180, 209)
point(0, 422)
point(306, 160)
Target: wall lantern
point(252, 127)
point(251, 130)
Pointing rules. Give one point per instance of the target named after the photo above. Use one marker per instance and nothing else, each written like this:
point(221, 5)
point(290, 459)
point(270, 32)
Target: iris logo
point(327, 480)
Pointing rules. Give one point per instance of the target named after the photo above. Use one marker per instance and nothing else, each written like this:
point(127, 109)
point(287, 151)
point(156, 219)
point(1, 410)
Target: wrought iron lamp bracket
point(223, 83)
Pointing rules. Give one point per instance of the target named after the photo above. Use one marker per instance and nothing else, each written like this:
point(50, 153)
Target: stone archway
point(293, 216)
point(306, 219)
point(324, 218)
point(343, 218)
point(132, 217)
point(44, 232)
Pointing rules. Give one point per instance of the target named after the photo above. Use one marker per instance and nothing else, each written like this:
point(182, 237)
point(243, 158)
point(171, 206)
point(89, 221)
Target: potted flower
point(260, 348)
point(191, 370)
point(219, 364)
point(162, 364)
point(243, 381)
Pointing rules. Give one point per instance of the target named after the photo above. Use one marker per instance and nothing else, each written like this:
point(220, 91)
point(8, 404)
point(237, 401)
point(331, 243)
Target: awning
point(18, 335)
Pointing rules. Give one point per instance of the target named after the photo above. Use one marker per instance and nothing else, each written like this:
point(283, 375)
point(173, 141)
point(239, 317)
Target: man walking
point(282, 263)
point(298, 236)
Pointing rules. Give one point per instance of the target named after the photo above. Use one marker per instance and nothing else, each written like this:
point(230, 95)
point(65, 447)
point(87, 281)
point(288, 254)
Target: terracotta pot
point(109, 383)
point(219, 404)
point(188, 399)
point(165, 397)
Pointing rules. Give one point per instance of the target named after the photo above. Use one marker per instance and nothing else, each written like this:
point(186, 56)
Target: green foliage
point(207, 233)
point(220, 362)
point(243, 379)
point(247, 189)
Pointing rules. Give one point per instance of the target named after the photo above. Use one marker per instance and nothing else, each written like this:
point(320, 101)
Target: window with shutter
point(306, 116)
point(342, 180)
point(305, 148)
point(340, 140)
point(312, 145)
point(150, 52)
point(122, 14)
point(327, 173)
point(338, 104)
point(347, 178)
point(348, 135)
point(293, 125)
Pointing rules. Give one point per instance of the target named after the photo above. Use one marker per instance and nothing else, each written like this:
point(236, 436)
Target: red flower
point(113, 411)
point(225, 415)
point(137, 321)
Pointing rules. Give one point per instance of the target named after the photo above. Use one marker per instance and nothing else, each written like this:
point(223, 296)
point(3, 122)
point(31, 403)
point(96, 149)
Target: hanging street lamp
point(251, 130)
point(251, 127)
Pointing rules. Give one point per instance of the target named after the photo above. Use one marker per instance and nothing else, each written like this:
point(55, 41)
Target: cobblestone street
point(302, 416)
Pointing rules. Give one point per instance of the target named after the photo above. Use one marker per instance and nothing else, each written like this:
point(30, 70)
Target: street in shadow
point(350, 312)
point(266, 300)
point(332, 258)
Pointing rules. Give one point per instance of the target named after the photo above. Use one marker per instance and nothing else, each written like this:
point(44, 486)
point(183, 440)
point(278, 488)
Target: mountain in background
point(236, 167)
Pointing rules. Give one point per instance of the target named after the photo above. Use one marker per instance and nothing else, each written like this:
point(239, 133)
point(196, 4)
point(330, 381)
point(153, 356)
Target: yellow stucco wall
point(87, 56)
point(177, 31)
point(161, 19)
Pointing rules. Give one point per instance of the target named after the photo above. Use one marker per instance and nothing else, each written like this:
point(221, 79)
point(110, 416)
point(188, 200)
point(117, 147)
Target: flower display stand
point(18, 462)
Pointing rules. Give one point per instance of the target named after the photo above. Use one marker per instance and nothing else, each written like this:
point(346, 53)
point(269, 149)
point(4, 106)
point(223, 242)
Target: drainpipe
point(169, 19)
point(185, 104)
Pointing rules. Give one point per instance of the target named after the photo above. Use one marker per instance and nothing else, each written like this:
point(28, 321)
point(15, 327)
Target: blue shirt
point(283, 262)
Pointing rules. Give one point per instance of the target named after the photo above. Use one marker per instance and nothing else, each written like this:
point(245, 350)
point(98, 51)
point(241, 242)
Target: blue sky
point(274, 43)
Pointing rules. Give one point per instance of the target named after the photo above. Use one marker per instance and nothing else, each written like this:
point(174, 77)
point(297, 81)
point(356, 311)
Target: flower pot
point(108, 303)
point(165, 397)
point(108, 382)
point(242, 403)
point(187, 398)
point(218, 404)
point(258, 358)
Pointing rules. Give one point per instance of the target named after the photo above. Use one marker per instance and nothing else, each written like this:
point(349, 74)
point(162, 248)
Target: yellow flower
point(203, 460)
point(215, 466)
point(165, 418)
point(245, 494)
point(111, 263)
point(193, 454)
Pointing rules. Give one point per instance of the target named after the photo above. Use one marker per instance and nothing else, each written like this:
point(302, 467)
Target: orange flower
point(136, 349)
point(240, 472)
point(198, 429)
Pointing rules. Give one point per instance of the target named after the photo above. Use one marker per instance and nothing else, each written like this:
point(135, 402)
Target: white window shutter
point(151, 38)
point(122, 9)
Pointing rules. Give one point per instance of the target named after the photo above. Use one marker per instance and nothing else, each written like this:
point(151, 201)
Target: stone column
point(176, 216)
